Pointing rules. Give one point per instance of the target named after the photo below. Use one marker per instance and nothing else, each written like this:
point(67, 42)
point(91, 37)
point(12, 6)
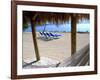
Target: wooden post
point(44, 28)
point(73, 33)
point(34, 37)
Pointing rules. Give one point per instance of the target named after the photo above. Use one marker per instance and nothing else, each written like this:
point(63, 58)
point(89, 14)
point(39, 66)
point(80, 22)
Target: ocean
point(81, 27)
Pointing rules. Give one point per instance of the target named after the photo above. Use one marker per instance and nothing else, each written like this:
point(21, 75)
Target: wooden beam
point(73, 33)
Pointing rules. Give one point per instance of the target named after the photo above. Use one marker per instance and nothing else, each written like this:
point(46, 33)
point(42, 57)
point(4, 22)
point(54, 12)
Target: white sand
point(58, 49)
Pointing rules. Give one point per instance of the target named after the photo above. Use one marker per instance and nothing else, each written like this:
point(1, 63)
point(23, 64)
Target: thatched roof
point(41, 18)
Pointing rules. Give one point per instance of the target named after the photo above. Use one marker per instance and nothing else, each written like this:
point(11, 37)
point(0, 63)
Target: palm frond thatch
point(41, 18)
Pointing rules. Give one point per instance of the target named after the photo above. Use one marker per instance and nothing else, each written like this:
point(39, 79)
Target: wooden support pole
point(73, 33)
point(34, 38)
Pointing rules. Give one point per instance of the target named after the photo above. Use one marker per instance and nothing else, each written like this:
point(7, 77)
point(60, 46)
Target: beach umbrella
point(41, 18)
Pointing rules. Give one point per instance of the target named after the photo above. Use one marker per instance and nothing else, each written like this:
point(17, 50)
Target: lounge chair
point(55, 36)
point(48, 34)
point(45, 36)
point(42, 36)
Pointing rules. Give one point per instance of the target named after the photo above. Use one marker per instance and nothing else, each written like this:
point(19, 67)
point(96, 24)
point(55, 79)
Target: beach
point(58, 49)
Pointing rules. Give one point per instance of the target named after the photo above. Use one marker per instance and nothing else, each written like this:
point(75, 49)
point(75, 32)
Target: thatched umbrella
point(40, 18)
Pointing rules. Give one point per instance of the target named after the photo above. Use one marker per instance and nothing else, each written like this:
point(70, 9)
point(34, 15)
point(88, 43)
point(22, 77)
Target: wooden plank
point(80, 58)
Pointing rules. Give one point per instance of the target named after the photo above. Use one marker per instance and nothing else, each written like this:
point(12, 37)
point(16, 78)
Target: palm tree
point(40, 18)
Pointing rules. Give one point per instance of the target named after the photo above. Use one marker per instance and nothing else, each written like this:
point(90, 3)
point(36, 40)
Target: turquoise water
point(81, 27)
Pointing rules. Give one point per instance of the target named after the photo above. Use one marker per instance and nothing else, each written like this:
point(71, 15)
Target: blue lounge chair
point(51, 37)
point(48, 37)
point(45, 36)
point(55, 36)
point(42, 35)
